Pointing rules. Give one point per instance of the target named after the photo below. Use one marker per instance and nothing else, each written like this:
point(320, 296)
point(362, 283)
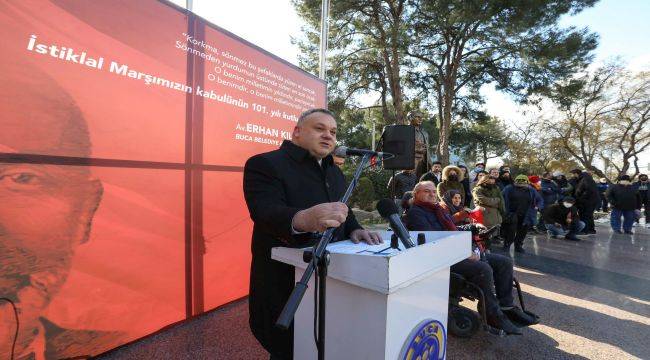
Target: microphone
point(388, 211)
point(344, 151)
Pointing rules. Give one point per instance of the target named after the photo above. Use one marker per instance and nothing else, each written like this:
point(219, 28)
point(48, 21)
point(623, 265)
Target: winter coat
point(535, 201)
point(446, 184)
point(623, 197)
point(429, 176)
point(550, 192)
point(586, 192)
point(644, 190)
point(490, 198)
point(557, 213)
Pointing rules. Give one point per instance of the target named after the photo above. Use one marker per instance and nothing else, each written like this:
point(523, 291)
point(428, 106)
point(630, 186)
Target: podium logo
point(428, 341)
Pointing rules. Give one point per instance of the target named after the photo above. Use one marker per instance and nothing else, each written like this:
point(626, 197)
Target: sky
point(623, 27)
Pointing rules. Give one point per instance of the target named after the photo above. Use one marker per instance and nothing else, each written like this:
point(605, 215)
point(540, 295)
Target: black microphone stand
point(319, 261)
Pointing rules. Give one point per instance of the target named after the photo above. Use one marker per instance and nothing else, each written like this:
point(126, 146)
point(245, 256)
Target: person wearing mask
point(492, 273)
point(466, 184)
point(488, 197)
point(586, 195)
point(603, 185)
point(434, 175)
point(473, 175)
point(550, 194)
point(624, 199)
point(562, 219)
point(519, 202)
point(504, 179)
point(643, 187)
point(452, 177)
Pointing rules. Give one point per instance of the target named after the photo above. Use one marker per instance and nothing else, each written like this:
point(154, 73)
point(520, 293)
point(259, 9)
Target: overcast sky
point(623, 27)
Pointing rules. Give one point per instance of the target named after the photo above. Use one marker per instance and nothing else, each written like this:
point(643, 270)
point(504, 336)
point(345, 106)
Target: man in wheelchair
point(489, 272)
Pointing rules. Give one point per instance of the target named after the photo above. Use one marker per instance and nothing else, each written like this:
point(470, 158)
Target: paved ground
point(593, 297)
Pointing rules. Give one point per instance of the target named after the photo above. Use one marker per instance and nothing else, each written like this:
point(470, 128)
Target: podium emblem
point(428, 341)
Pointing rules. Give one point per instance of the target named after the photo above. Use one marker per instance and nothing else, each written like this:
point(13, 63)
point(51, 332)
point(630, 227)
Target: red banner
point(124, 129)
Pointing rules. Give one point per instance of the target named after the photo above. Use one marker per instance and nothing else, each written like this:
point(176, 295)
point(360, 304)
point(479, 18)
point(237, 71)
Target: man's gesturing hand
point(320, 217)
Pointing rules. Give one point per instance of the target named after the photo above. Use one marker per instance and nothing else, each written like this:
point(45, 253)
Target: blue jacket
point(550, 192)
point(536, 200)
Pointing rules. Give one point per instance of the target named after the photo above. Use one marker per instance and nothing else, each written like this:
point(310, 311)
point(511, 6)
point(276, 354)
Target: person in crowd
point(291, 196)
point(586, 195)
point(563, 219)
point(452, 202)
point(492, 274)
point(435, 174)
point(563, 185)
point(452, 178)
point(494, 172)
point(402, 182)
point(488, 197)
point(534, 181)
point(520, 201)
point(643, 187)
point(504, 168)
point(467, 184)
point(504, 179)
point(603, 185)
point(550, 194)
point(624, 199)
point(473, 175)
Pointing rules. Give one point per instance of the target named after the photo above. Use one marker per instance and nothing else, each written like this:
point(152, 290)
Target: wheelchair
point(463, 322)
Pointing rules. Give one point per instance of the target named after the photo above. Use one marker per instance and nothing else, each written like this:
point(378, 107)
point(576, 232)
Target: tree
point(517, 45)
point(483, 138)
point(366, 48)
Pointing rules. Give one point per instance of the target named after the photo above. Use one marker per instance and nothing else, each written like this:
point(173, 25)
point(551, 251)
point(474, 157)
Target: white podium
point(391, 305)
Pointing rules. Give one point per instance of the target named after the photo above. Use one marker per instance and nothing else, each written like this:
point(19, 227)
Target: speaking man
point(292, 195)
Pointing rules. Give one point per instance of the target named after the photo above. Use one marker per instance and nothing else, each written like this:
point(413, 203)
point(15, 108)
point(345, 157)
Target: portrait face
point(426, 193)
point(494, 172)
point(506, 175)
point(316, 134)
point(46, 210)
point(436, 168)
point(492, 180)
point(506, 168)
point(452, 173)
point(456, 200)
point(463, 170)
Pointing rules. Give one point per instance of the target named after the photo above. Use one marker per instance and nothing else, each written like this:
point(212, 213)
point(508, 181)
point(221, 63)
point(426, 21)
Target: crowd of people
point(552, 203)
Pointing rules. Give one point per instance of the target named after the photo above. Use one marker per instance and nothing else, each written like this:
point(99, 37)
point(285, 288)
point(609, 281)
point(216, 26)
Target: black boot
point(517, 316)
point(501, 322)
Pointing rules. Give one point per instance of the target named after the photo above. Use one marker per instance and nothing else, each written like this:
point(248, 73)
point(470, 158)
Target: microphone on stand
point(388, 210)
point(344, 151)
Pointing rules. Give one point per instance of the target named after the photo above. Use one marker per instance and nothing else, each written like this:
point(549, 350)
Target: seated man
point(562, 219)
point(427, 215)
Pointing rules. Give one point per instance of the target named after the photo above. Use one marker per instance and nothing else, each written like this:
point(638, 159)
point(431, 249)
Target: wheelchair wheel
point(462, 322)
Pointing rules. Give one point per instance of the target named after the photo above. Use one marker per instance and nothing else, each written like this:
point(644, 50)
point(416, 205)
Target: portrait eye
point(20, 180)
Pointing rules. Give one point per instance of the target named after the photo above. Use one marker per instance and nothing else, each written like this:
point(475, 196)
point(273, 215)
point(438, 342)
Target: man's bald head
point(38, 115)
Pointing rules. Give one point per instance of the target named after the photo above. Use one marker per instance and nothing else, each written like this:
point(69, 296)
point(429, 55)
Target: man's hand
point(366, 236)
point(320, 217)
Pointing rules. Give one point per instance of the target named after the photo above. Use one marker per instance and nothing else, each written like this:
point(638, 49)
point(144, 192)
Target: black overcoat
point(277, 185)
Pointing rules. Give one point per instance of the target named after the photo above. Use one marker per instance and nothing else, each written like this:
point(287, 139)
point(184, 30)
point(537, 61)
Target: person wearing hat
point(563, 219)
point(624, 199)
point(521, 200)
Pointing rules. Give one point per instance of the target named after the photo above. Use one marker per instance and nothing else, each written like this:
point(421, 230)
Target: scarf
point(441, 214)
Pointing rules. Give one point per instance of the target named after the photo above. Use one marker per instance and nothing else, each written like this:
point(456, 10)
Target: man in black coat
point(292, 195)
point(587, 198)
point(562, 219)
